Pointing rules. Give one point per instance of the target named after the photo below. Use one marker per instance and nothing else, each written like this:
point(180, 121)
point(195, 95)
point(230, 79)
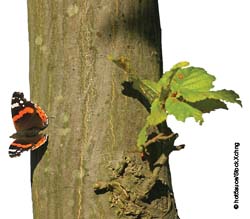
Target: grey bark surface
point(91, 123)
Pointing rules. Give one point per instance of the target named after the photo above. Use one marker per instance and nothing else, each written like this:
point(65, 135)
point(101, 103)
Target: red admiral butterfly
point(29, 119)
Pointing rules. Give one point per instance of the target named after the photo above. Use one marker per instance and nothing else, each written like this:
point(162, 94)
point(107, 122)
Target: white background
point(213, 34)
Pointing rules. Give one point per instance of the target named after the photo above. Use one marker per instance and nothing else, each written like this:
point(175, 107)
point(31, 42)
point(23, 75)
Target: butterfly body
point(29, 119)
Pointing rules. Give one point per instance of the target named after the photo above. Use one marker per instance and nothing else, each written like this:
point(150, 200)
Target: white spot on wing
point(14, 105)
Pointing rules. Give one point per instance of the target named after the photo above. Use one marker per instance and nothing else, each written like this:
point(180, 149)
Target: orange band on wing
point(39, 143)
point(21, 145)
point(41, 113)
point(22, 112)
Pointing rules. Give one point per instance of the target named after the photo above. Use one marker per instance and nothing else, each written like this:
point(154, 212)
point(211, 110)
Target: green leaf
point(157, 114)
point(193, 96)
point(165, 79)
point(193, 84)
point(208, 105)
point(149, 89)
point(191, 79)
point(182, 110)
point(180, 65)
point(226, 95)
point(190, 94)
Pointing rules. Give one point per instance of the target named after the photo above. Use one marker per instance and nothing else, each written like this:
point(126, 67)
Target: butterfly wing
point(27, 115)
point(28, 119)
point(27, 143)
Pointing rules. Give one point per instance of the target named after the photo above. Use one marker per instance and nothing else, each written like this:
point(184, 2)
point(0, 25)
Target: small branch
point(179, 147)
point(159, 137)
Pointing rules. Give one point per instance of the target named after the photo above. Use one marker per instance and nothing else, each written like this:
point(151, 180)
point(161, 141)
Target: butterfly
point(29, 119)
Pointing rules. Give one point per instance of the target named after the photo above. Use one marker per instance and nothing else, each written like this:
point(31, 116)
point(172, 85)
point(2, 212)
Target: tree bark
point(92, 124)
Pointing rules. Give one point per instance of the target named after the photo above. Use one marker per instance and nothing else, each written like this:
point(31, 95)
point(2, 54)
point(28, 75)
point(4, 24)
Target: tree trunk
point(92, 124)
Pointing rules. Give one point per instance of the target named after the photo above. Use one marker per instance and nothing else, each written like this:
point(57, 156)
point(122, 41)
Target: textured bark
point(91, 122)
